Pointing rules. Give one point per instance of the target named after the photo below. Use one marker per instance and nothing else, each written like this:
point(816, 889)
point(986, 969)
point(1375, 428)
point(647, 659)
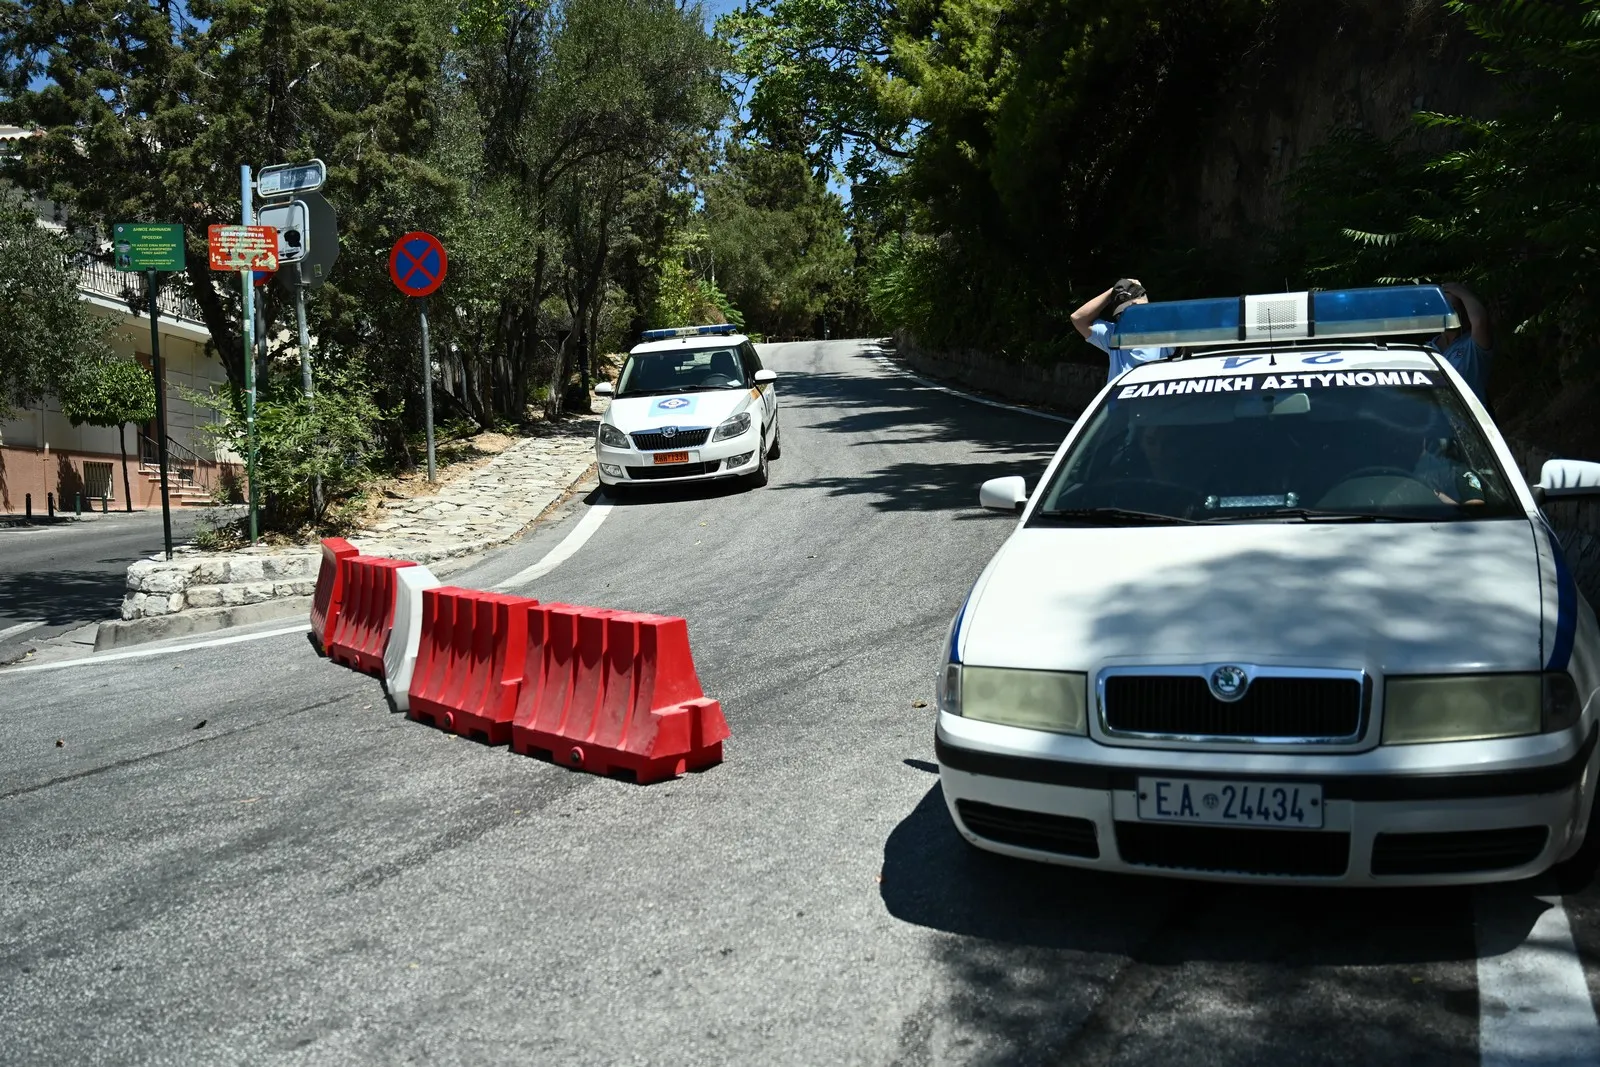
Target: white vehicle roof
point(1281, 360)
point(689, 344)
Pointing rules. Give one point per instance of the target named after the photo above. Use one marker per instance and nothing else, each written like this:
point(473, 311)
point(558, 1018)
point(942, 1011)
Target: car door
point(769, 391)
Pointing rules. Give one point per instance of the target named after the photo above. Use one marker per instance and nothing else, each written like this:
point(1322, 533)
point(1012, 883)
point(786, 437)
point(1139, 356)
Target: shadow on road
point(1025, 937)
point(898, 415)
point(61, 597)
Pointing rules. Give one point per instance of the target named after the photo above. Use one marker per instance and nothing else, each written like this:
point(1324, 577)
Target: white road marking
point(142, 653)
point(565, 550)
point(985, 401)
point(20, 628)
point(1534, 1008)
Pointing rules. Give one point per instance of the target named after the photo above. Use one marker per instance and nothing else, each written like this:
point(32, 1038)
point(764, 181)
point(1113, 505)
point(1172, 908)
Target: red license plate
point(672, 457)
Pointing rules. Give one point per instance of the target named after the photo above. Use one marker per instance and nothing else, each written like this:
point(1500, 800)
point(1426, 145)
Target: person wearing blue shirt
point(1095, 319)
point(1469, 349)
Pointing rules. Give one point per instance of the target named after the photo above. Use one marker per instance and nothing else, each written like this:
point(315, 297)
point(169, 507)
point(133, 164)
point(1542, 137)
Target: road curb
point(118, 633)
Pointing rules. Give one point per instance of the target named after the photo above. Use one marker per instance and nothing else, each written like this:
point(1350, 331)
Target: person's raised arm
point(1482, 335)
point(1084, 317)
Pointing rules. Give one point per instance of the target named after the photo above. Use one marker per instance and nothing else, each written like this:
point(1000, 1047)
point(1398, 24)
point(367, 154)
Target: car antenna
point(1272, 355)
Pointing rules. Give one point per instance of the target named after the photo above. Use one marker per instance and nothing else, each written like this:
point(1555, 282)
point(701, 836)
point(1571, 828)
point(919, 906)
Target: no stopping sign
point(417, 263)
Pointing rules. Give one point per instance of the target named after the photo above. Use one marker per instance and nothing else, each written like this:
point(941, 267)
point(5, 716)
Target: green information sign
point(147, 246)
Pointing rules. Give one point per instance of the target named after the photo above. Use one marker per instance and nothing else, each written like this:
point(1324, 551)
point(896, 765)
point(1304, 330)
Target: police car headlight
point(735, 426)
point(612, 437)
point(1036, 700)
point(1462, 707)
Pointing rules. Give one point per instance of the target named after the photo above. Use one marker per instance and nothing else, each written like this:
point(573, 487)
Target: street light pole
point(161, 409)
point(248, 277)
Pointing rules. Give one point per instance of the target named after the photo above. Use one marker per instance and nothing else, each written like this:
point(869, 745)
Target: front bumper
point(720, 459)
point(1479, 821)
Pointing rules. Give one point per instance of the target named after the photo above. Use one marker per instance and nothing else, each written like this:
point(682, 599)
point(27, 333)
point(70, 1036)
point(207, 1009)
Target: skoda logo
point(1229, 683)
point(669, 431)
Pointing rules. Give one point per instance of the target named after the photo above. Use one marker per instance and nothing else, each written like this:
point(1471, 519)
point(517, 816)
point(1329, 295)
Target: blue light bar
point(1397, 309)
point(689, 331)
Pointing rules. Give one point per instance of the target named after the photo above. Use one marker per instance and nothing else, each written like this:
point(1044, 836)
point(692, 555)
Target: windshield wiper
point(1316, 515)
point(1113, 516)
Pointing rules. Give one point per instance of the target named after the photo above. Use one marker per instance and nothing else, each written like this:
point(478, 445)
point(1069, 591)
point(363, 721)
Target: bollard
point(105, 505)
point(27, 505)
point(77, 505)
point(50, 504)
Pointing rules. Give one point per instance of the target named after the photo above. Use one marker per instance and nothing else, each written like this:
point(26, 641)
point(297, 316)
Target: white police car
point(692, 403)
point(1280, 609)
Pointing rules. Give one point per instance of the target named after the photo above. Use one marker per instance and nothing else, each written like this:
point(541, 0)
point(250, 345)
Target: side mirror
point(1567, 478)
point(764, 376)
point(604, 389)
point(1004, 494)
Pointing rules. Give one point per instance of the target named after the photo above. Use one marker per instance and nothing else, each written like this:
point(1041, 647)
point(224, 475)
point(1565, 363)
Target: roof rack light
point(689, 331)
point(1395, 309)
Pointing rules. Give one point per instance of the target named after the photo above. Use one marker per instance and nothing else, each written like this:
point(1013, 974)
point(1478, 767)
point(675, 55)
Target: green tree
point(45, 330)
point(110, 392)
point(331, 440)
point(775, 239)
point(148, 110)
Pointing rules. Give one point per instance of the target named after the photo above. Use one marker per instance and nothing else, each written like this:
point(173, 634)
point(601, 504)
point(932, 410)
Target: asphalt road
point(237, 854)
point(55, 578)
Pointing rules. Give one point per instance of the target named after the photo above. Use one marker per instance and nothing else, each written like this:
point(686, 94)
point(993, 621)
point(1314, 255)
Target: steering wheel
point(716, 381)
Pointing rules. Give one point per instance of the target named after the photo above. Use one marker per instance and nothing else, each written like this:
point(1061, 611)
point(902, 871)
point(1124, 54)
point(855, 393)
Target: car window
point(1252, 447)
point(752, 361)
point(648, 373)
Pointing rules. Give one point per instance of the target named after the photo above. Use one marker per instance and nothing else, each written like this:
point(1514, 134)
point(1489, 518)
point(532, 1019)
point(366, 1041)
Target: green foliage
point(149, 109)
point(45, 331)
point(333, 437)
point(775, 238)
point(684, 300)
point(109, 392)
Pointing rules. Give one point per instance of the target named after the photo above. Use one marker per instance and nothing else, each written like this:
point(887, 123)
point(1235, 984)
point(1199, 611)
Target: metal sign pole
point(305, 334)
point(427, 382)
point(248, 277)
point(161, 409)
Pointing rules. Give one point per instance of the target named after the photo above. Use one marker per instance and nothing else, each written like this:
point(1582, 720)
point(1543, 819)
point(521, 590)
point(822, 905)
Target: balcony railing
point(103, 280)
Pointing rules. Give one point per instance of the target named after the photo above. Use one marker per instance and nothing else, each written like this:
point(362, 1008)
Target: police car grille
point(1294, 708)
point(655, 442)
point(675, 470)
point(1285, 853)
point(1064, 834)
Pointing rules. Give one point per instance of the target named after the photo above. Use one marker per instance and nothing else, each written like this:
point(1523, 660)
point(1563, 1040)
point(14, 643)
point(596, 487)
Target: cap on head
point(1124, 294)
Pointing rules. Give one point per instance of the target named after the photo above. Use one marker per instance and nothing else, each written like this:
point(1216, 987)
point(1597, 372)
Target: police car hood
point(686, 411)
point(1380, 596)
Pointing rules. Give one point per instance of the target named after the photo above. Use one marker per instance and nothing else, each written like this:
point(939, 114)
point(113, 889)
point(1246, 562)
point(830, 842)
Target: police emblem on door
point(1229, 683)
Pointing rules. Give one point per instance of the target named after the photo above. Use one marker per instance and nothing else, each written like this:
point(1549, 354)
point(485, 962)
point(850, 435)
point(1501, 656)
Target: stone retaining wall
point(161, 587)
point(1063, 386)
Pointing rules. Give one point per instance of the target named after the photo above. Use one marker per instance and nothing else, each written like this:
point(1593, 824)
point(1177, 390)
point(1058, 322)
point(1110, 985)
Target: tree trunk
point(122, 443)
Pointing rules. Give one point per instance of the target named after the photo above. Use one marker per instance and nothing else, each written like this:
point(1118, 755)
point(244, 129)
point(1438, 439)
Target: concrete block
point(211, 572)
point(287, 567)
point(204, 596)
point(170, 578)
point(246, 570)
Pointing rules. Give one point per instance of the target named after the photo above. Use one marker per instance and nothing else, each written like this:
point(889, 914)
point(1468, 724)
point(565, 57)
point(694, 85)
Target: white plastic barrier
point(400, 656)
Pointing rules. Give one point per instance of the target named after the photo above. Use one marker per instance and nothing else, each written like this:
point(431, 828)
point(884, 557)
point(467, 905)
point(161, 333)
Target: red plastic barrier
point(367, 612)
point(330, 589)
point(606, 691)
point(470, 662)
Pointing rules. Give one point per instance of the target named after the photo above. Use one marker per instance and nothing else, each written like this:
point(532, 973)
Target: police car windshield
point(1310, 444)
point(681, 371)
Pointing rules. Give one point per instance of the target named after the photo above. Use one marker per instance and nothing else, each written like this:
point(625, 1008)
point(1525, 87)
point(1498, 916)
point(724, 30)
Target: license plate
point(672, 457)
point(1280, 804)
